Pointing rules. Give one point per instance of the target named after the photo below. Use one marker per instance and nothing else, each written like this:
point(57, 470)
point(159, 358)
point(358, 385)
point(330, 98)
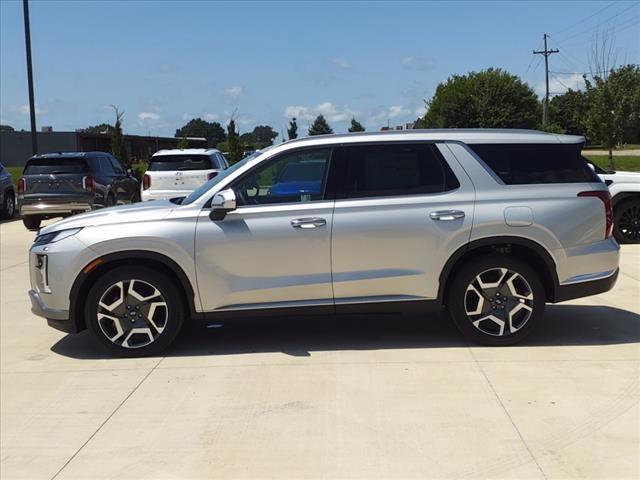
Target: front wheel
point(496, 300)
point(626, 224)
point(134, 311)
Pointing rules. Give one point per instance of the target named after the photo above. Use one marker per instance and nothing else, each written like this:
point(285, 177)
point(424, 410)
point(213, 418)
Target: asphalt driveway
point(362, 397)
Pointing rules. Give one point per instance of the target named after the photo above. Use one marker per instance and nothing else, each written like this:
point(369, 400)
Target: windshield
point(47, 166)
point(202, 189)
point(164, 163)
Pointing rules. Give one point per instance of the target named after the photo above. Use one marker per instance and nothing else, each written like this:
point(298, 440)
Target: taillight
point(605, 196)
point(22, 185)
point(212, 175)
point(88, 183)
point(146, 181)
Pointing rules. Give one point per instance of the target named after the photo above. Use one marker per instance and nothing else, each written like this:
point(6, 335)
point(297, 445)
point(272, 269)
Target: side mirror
point(222, 203)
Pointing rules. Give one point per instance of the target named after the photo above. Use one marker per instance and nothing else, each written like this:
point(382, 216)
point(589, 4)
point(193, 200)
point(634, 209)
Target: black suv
point(61, 184)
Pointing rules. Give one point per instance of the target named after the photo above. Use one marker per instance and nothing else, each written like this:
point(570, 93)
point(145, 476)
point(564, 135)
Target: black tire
point(159, 332)
point(496, 302)
point(32, 222)
point(626, 221)
point(8, 205)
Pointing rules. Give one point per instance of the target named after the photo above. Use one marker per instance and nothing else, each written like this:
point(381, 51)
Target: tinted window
point(394, 169)
point(116, 165)
point(294, 177)
point(180, 162)
point(518, 164)
point(47, 166)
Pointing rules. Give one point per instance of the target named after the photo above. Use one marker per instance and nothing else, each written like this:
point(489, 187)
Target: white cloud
point(417, 63)
point(340, 63)
point(560, 83)
point(299, 111)
point(331, 111)
point(142, 116)
point(211, 117)
point(397, 111)
point(188, 116)
point(234, 91)
point(24, 109)
point(420, 111)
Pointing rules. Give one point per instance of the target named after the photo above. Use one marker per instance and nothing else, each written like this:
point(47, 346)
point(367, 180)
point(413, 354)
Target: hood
point(137, 212)
point(621, 176)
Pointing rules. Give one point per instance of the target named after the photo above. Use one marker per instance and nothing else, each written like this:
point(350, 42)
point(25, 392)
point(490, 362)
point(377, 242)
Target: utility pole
point(32, 101)
point(546, 52)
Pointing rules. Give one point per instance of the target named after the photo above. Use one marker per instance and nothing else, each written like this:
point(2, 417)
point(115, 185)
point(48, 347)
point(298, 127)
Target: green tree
point(263, 136)
point(235, 149)
point(614, 107)
point(183, 143)
point(356, 126)
point(569, 111)
point(118, 147)
point(491, 98)
point(292, 131)
point(320, 127)
point(196, 127)
point(6, 128)
point(100, 128)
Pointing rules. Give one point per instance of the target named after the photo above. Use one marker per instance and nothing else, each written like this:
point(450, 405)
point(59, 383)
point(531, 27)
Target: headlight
point(55, 236)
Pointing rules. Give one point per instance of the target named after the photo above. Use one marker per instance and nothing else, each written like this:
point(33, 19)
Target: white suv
point(176, 173)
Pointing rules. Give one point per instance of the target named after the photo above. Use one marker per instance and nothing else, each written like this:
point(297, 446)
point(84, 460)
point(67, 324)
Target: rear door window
point(180, 162)
point(55, 166)
point(520, 164)
point(393, 169)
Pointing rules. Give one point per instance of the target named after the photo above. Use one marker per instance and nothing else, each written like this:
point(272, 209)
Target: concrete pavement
point(371, 397)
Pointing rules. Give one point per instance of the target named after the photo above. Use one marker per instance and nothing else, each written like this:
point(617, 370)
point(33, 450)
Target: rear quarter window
point(180, 162)
point(56, 166)
point(521, 164)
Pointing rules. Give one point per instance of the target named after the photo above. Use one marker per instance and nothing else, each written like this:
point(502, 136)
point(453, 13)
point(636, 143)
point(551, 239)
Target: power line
point(546, 52)
point(585, 19)
point(599, 24)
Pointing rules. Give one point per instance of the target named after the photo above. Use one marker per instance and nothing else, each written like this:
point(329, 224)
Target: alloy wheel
point(132, 313)
point(629, 222)
point(498, 302)
point(10, 206)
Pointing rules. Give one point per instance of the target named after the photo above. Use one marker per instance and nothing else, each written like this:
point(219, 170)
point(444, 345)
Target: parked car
point(7, 194)
point(176, 173)
point(625, 197)
point(489, 224)
point(62, 184)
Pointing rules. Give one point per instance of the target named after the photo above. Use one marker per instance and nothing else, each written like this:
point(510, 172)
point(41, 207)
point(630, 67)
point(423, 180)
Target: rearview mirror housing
point(222, 203)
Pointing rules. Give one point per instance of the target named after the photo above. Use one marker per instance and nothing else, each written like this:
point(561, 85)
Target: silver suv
point(489, 224)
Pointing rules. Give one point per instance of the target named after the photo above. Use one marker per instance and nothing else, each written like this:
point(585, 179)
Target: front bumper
point(39, 308)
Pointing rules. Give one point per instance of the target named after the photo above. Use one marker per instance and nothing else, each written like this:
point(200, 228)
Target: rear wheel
point(8, 205)
point(32, 222)
point(134, 311)
point(496, 300)
point(626, 224)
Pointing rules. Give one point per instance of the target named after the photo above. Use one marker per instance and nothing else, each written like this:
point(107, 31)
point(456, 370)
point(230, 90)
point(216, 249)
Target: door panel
point(394, 248)
point(256, 257)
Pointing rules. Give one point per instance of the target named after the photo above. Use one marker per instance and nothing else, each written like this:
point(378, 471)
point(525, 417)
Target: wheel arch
point(105, 263)
point(527, 250)
point(622, 196)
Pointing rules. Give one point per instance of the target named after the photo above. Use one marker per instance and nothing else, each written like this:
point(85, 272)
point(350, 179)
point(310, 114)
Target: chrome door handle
point(446, 215)
point(312, 222)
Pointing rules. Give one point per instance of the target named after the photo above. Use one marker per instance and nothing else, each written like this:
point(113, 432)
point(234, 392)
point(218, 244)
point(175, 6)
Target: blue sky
point(165, 62)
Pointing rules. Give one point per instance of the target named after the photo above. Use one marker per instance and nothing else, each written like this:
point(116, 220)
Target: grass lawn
point(629, 164)
point(16, 172)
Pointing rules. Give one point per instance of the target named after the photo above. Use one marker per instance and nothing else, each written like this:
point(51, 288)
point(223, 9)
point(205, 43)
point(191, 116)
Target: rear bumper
point(147, 195)
point(53, 205)
point(586, 288)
